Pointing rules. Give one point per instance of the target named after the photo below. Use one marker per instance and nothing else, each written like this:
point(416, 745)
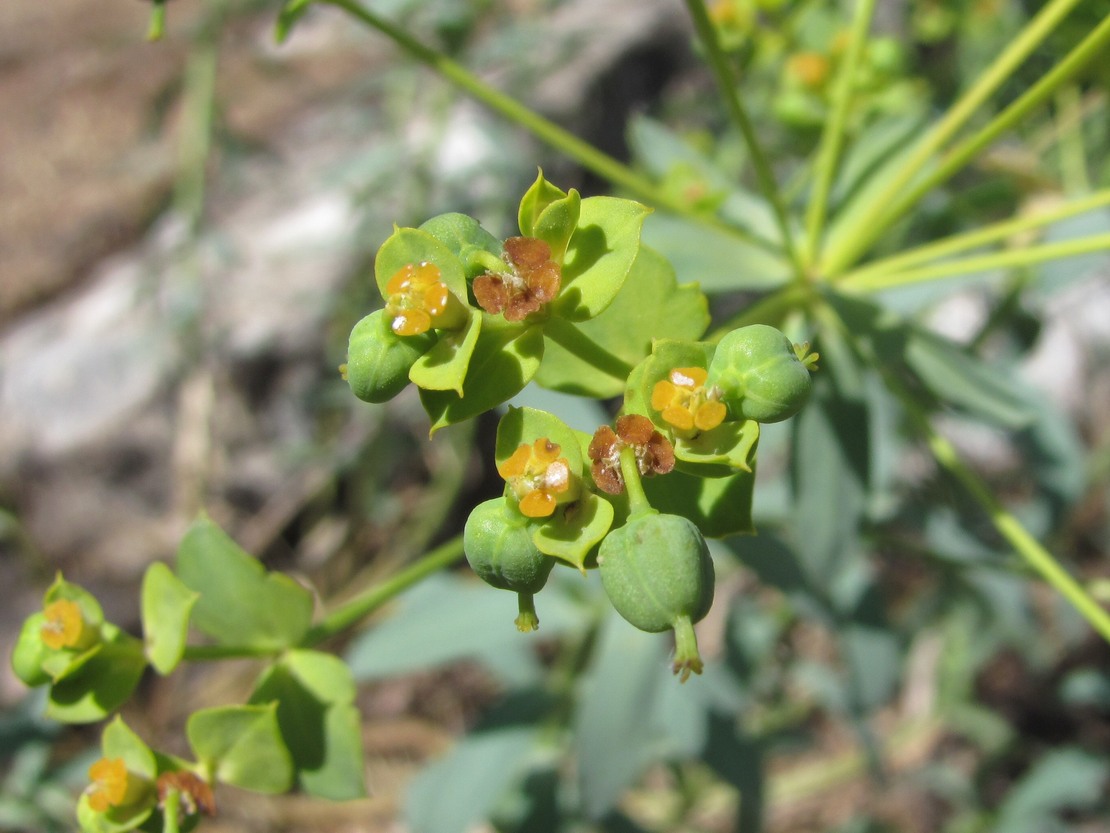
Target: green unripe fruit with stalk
point(657, 573)
point(498, 545)
point(379, 360)
point(760, 374)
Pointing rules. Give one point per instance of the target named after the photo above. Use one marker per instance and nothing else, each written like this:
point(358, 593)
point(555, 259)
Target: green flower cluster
point(578, 304)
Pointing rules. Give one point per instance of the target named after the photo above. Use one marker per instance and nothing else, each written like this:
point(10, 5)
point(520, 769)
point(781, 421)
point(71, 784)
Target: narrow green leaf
point(613, 742)
point(957, 377)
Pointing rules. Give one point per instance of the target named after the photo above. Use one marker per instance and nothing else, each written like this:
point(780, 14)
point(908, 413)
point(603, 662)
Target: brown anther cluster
point(654, 452)
point(196, 794)
point(532, 280)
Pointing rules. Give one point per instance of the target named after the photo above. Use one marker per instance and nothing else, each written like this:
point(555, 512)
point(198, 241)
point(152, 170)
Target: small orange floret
point(109, 784)
point(685, 403)
point(531, 280)
point(537, 475)
point(65, 626)
point(418, 300)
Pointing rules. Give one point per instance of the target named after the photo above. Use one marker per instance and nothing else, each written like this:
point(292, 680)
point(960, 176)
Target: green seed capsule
point(378, 360)
point(657, 572)
point(760, 374)
point(498, 545)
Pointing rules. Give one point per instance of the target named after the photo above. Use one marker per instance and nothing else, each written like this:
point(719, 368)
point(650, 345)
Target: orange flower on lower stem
point(532, 280)
point(686, 404)
point(419, 301)
point(538, 477)
point(65, 626)
point(654, 452)
point(108, 789)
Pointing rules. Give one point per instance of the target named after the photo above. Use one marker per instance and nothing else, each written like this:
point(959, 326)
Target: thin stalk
point(874, 221)
point(979, 237)
point(981, 263)
point(638, 503)
point(1073, 152)
point(543, 129)
point(362, 605)
point(832, 137)
point(1091, 46)
point(707, 33)
point(1027, 547)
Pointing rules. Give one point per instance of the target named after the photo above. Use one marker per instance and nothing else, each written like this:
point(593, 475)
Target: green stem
point(157, 26)
point(872, 222)
point(832, 137)
point(687, 660)
point(170, 808)
point(1009, 527)
point(543, 129)
point(351, 612)
point(707, 33)
point(982, 263)
point(638, 503)
point(1073, 153)
point(979, 237)
point(580, 345)
point(1091, 46)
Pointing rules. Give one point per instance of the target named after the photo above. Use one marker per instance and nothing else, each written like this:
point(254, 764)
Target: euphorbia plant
point(577, 303)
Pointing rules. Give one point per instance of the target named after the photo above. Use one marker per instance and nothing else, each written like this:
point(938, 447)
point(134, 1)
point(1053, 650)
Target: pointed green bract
point(319, 723)
point(575, 529)
point(505, 359)
point(240, 602)
point(600, 254)
point(539, 196)
point(242, 746)
point(166, 606)
point(592, 358)
point(556, 224)
point(101, 682)
point(445, 365)
point(719, 506)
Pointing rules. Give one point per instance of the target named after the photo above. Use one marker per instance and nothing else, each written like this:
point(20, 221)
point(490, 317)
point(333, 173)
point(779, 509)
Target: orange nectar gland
point(537, 476)
point(65, 626)
point(686, 404)
point(109, 784)
point(418, 301)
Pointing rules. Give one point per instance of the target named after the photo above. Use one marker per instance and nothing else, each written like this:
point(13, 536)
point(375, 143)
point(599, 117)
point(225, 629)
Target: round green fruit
point(498, 545)
point(657, 573)
point(759, 374)
point(379, 360)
